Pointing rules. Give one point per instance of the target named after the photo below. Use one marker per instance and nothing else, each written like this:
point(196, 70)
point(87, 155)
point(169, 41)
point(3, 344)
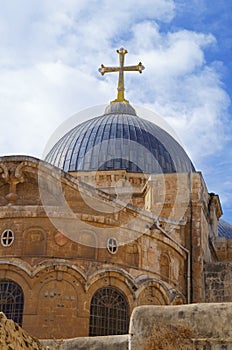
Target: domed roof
point(117, 140)
point(224, 229)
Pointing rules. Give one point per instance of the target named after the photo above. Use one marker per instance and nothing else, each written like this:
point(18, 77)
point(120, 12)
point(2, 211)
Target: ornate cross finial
point(121, 69)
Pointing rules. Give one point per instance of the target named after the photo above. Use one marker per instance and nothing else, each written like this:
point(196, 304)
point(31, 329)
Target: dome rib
point(224, 229)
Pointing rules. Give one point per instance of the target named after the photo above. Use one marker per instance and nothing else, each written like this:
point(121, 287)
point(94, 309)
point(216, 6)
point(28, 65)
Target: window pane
point(109, 313)
point(11, 301)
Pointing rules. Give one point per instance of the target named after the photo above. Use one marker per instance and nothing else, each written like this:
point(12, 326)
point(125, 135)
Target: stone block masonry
point(218, 282)
point(111, 342)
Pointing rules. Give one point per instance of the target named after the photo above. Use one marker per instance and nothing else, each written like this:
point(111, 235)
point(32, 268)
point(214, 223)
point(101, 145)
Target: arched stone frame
point(109, 312)
point(29, 279)
point(165, 266)
point(11, 300)
point(113, 278)
point(60, 298)
point(35, 241)
point(17, 273)
point(153, 292)
point(57, 305)
point(57, 273)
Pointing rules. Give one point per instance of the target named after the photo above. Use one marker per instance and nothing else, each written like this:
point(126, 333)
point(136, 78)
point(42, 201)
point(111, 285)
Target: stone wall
point(223, 247)
point(195, 326)
point(13, 337)
point(59, 274)
point(218, 282)
point(113, 342)
point(182, 327)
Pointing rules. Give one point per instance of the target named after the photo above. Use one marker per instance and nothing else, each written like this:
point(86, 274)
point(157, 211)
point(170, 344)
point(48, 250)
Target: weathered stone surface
point(113, 342)
point(208, 323)
point(159, 263)
point(182, 327)
point(218, 282)
point(12, 337)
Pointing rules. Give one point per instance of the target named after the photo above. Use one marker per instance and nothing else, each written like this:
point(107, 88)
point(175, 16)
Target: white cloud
point(50, 52)
point(180, 85)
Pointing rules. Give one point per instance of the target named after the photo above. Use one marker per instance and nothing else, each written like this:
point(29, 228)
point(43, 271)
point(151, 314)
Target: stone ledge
point(112, 342)
point(208, 323)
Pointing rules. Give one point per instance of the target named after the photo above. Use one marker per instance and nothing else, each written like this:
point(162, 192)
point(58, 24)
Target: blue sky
point(50, 52)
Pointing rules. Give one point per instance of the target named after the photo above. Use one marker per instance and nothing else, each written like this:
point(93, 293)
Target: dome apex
point(120, 108)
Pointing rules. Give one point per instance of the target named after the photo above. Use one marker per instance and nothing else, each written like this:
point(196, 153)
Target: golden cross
point(121, 69)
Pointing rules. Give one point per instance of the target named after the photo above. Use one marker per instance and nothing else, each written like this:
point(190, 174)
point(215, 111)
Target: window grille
point(11, 301)
point(109, 313)
point(112, 245)
point(7, 238)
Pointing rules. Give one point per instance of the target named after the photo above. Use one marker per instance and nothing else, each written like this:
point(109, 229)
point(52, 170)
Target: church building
point(114, 217)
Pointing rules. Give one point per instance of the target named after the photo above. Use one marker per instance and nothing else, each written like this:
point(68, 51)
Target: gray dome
point(224, 229)
point(118, 140)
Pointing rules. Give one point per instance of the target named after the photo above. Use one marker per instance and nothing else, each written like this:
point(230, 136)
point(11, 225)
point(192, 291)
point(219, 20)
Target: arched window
point(11, 300)
point(109, 313)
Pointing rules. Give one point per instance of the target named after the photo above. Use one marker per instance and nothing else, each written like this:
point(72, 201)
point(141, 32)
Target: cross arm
point(103, 69)
point(138, 68)
point(121, 69)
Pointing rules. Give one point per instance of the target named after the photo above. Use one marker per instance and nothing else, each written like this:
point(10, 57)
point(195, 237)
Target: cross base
point(119, 100)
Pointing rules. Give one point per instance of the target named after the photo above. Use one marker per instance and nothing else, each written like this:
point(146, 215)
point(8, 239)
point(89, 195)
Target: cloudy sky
point(49, 55)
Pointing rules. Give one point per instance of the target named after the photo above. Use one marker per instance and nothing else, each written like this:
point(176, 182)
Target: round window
point(7, 238)
point(112, 245)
